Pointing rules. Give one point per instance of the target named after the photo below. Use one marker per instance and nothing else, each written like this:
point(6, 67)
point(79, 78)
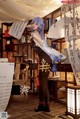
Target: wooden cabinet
point(7, 43)
point(13, 48)
point(57, 89)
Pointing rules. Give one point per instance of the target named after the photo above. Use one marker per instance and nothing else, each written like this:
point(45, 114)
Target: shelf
point(9, 51)
point(64, 67)
point(7, 24)
point(8, 38)
point(54, 89)
point(28, 44)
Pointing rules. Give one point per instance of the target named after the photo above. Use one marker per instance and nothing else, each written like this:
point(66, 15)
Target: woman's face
point(34, 26)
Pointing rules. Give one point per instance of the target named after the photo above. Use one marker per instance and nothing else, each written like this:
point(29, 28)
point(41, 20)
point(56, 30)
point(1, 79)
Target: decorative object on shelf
point(6, 34)
point(24, 89)
point(23, 40)
point(9, 46)
point(73, 101)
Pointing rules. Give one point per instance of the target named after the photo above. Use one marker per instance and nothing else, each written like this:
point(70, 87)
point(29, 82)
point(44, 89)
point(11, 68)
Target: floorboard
point(22, 107)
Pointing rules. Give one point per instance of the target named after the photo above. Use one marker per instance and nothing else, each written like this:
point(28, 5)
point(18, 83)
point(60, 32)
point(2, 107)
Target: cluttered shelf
point(57, 85)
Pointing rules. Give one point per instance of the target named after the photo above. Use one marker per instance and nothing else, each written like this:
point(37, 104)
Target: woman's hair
point(39, 22)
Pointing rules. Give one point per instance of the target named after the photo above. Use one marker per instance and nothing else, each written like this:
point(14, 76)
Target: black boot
point(47, 108)
point(40, 108)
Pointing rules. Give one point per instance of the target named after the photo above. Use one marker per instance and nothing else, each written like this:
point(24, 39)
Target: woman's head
point(37, 23)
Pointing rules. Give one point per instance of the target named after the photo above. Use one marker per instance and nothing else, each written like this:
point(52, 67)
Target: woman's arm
point(37, 39)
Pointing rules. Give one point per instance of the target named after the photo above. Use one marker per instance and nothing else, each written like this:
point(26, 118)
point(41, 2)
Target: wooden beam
point(54, 14)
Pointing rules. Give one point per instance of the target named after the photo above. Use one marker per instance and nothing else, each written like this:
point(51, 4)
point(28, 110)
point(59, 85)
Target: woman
point(47, 60)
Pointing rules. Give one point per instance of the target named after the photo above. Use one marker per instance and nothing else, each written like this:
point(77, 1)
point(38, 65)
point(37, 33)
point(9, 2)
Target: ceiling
point(11, 10)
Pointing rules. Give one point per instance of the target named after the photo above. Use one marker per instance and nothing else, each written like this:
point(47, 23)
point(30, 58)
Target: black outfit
point(45, 66)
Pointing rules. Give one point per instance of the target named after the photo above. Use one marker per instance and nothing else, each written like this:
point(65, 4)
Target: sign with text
point(72, 37)
point(6, 80)
point(17, 29)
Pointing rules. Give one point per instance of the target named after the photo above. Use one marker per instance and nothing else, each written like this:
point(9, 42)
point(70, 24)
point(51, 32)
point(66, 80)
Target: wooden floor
point(22, 107)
